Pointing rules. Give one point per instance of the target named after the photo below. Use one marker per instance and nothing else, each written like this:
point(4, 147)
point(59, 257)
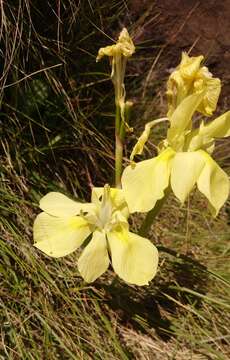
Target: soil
point(198, 27)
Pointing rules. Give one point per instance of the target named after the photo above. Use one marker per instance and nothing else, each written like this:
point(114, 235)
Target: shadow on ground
point(153, 307)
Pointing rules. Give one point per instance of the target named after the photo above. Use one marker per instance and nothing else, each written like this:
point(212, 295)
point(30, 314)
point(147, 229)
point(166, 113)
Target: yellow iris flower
point(189, 78)
point(183, 161)
point(64, 225)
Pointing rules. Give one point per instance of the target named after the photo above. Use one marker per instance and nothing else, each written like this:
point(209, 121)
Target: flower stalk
point(118, 54)
point(118, 148)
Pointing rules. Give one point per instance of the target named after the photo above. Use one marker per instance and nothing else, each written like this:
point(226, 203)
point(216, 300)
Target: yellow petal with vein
point(94, 259)
point(186, 169)
point(189, 66)
point(58, 237)
point(134, 258)
point(211, 86)
point(203, 137)
point(144, 184)
point(218, 128)
point(57, 204)
point(213, 182)
point(181, 118)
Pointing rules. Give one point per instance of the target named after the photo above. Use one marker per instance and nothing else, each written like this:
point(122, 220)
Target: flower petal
point(59, 236)
point(212, 88)
point(144, 184)
point(186, 169)
point(218, 128)
point(213, 182)
point(189, 65)
point(134, 258)
point(57, 204)
point(94, 259)
point(190, 78)
point(139, 146)
point(203, 137)
point(181, 80)
point(181, 118)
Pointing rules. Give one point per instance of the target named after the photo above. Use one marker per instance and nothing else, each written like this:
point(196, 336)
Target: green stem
point(125, 122)
point(118, 118)
point(120, 132)
point(118, 149)
point(151, 215)
point(118, 161)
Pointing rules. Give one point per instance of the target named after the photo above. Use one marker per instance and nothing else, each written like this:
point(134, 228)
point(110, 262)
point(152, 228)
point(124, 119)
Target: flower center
point(105, 215)
point(105, 209)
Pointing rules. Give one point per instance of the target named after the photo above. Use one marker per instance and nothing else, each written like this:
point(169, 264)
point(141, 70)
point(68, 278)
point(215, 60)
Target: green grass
point(56, 131)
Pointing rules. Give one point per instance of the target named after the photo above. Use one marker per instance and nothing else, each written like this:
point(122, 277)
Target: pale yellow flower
point(64, 225)
point(183, 161)
point(191, 77)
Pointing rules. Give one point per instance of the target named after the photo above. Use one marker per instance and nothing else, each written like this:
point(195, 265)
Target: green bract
point(183, 161)
point(64, 225)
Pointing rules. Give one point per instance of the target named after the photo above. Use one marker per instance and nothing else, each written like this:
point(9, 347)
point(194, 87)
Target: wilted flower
point(183, 161)
point(189, 78)
point(119, 53)
point(124, 46)
point(66, 224)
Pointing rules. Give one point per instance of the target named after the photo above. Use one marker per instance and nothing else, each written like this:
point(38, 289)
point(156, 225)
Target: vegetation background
point(57, 133)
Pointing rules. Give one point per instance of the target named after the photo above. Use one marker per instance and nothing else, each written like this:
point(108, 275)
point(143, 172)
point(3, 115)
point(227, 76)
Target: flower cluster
point(184, 159)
